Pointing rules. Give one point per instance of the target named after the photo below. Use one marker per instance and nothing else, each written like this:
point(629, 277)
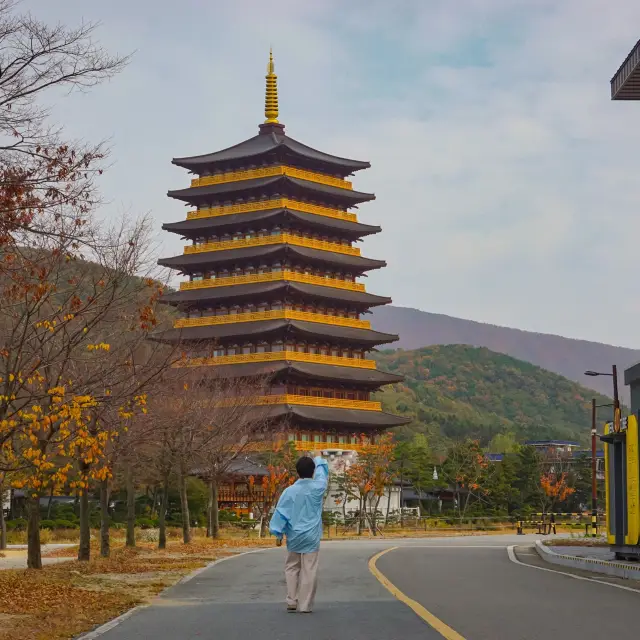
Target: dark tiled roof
point(357, 419)
point(267, 327)
point(284, 184)
point(192, 261)
point(282, 287)
point(306, 370)
point(230, 222)
point(264, 143)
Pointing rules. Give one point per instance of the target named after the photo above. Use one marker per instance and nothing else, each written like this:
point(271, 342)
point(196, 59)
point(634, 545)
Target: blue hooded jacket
point(298, 514)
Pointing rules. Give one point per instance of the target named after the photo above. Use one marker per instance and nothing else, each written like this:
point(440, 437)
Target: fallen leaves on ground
point(65, 599)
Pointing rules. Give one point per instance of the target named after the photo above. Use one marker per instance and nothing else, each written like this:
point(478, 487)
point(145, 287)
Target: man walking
point(298, 515)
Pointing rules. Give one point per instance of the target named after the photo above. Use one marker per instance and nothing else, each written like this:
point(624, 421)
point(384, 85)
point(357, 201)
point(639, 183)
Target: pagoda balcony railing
point(257, 495)
point(308, 445)
point(293, 276)
point(273, 203)
point(268, 172)
point(315, 401)
point(274, 356)
point(280, 238)
point(284, 314)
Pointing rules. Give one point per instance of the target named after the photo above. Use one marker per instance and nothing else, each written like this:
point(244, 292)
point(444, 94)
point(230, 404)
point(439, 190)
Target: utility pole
point(594, 486)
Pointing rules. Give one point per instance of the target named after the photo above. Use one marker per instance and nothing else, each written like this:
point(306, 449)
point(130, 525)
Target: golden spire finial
point(271, 96)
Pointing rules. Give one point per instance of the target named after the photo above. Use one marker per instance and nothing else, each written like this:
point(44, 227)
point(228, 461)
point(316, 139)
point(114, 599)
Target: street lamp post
point(616, 426)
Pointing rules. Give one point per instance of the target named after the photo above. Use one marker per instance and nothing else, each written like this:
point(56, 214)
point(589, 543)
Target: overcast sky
point(506, 179)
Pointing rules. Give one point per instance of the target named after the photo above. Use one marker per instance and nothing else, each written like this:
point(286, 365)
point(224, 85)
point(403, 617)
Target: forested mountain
point(458, 391)
point(565, 356)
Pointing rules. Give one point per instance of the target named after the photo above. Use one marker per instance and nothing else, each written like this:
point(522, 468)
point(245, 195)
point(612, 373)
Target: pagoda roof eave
point(280, 287)
point(372, 378)
point(265, 143)
point(197, 225)
point(355, 418)
point(264, 328)
point(194, 195)
point(202, 260)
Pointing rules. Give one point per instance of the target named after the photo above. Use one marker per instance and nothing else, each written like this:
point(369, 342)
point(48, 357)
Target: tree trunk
point(50, 504)
point(184, 506)
point(84, 549)
point(3, 523)
point(213, 520)
point(131, 508)
point(34, 552)
point(162, 519)
point(105, 541)
point(401, 493)
point(154, 500)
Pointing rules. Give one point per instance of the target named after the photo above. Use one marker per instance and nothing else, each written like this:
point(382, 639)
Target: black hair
point(305, 467)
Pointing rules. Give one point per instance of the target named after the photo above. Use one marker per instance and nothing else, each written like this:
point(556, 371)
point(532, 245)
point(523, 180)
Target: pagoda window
point(313, 349)
point(247, 348)
point(222, 311)
point(352, 314)
point(357, 353)
point(277, 267)
point(250, 308)
point(351, 395)
point(335, 352)
point(196, 277)
point(354, 439)
point(250, 270)
point(262, 233)
point(339, 395)
point(342, 439)
point(324, 350)
point(317, 437)
point(331, 311)
point(346, 353)
point(290, 345)
point(232, 350)
point(237, 272)
point(329, 438)
point(263, 268)
point(348, 277)
point(261, 347)
point(218, 352)
point(276, 306)
point(291, 437)
point(250, 233)
point(237, 236)
point(235, 310)
point(328, 394)
point(277, 346)
point(341, 313)
point(316, 393)
point(226, 237)
point(298, 306)
point(262, 307)
point(224, 273)
point(288, 306)
point(304, 437)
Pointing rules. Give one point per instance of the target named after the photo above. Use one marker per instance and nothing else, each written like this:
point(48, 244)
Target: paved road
point(468, 583)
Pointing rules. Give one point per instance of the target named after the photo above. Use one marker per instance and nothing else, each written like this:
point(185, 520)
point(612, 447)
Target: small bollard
point(520, 529)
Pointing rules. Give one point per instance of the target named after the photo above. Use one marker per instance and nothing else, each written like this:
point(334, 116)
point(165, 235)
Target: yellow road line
point(444, 630)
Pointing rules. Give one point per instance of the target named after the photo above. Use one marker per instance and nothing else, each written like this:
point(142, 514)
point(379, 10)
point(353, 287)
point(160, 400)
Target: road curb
point(617, 569)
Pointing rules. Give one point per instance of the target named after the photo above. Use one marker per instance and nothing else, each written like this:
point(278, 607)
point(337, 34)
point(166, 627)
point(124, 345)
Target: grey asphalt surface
point(484, 596)
point(469, 583)
point(244, 598)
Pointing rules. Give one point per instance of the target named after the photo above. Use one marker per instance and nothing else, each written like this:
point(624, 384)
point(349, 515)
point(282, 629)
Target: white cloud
point(505, 177)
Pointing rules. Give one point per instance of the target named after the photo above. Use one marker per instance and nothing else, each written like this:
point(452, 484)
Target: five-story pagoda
point(273, 282)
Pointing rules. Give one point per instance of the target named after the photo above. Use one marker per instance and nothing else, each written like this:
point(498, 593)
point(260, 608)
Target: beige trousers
point(301, 573)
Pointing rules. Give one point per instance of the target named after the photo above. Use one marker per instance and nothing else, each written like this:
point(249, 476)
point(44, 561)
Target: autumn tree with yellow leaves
point(74, 308)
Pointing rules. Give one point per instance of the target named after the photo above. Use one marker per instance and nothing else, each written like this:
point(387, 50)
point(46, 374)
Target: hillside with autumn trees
point(457, 391)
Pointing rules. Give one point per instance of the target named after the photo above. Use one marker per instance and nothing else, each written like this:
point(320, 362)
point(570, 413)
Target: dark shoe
point(292, 608)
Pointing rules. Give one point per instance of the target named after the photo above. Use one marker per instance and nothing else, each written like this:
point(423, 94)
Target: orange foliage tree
point(366, 479)
point(555, 489)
